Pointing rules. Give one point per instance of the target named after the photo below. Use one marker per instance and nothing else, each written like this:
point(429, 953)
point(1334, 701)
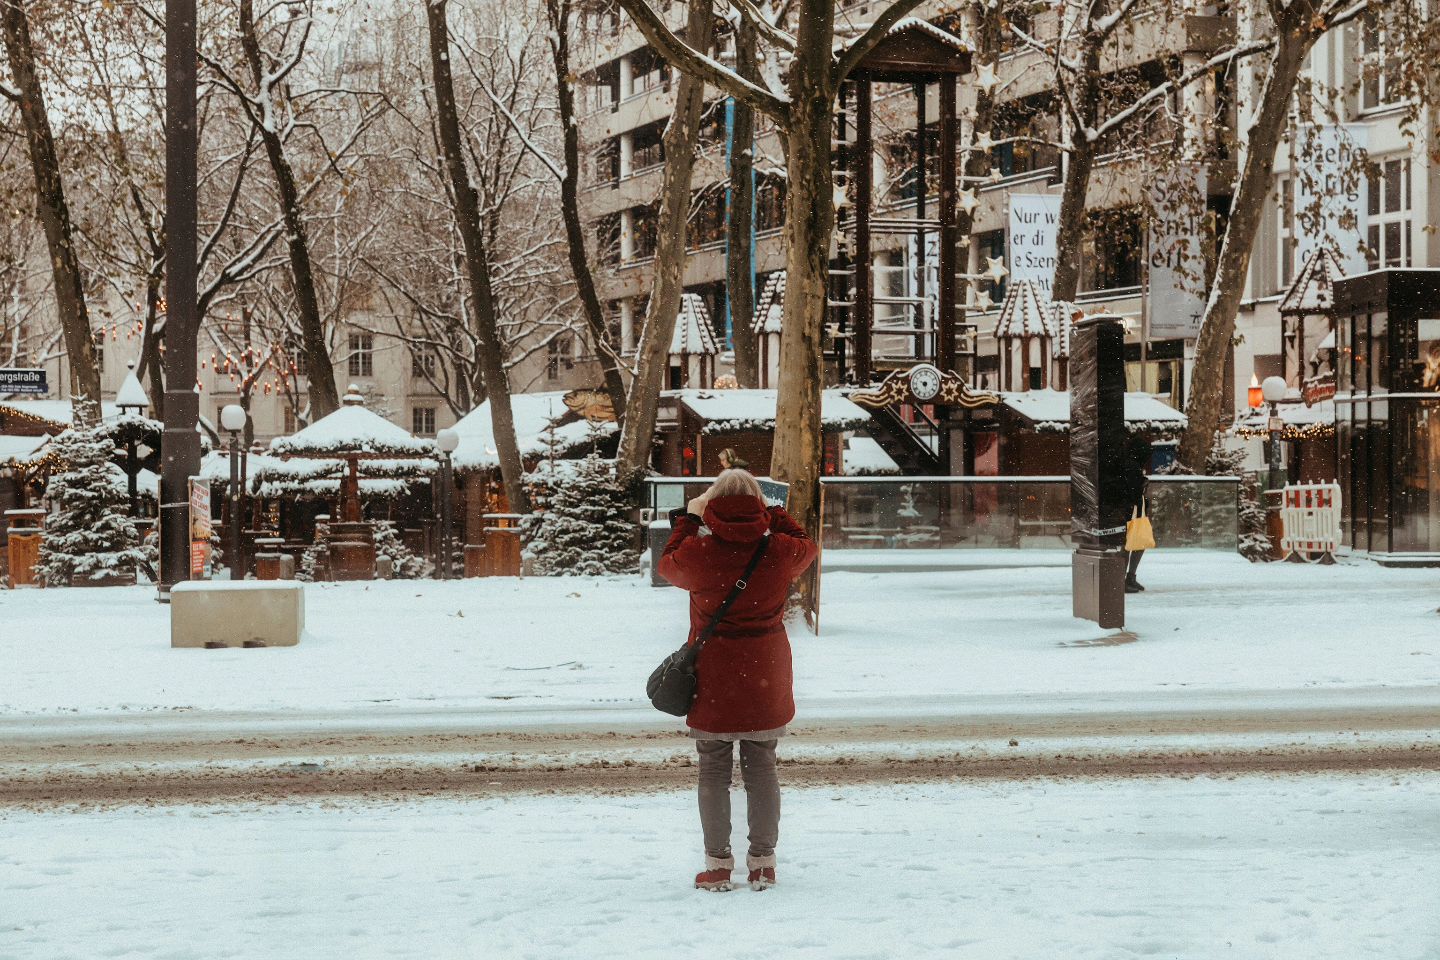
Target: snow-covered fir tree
point(584, 528)
point(310, 560)
point(403, 562)
point(1254, 541)
point(90, 536)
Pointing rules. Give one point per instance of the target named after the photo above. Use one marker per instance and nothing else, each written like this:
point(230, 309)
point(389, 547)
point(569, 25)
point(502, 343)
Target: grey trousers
point(762, 794)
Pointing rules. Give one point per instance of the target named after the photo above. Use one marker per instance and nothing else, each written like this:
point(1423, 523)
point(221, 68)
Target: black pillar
point(1098, 505)
point(181, 444)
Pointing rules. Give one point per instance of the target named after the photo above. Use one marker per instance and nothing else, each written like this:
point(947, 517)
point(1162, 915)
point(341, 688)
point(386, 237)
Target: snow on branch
point(763, 26)
point(9, 92)
point(525, 139)
point(697, 64)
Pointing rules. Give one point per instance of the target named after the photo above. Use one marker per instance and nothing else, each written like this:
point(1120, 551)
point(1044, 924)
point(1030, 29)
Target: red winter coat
point(745, 681)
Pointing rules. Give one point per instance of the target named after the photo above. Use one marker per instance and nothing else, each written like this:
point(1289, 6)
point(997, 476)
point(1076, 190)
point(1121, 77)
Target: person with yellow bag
point(1139, 535)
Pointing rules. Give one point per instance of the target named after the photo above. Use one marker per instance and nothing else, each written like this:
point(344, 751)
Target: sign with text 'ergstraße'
point(13, 380)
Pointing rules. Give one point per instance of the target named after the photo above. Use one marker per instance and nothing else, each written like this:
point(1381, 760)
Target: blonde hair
point(736, 482)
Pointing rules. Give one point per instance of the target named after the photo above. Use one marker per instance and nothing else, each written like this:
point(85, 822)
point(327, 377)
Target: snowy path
point(894, 644)
point(1311, 867)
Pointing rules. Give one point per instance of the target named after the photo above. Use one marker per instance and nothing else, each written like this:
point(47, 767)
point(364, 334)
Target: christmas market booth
point(1387, 413)
point(333, 480)
point(695, 425)
point(552, 426)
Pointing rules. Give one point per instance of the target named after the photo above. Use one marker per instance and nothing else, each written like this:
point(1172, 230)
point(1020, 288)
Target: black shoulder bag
point(671, 687)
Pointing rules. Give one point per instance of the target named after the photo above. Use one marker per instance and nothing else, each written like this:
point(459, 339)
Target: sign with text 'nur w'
point(1034, 228)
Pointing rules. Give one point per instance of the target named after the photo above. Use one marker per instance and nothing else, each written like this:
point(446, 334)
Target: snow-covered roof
point(1062, 314)
point(1049, 411)
point(20, 449)
point(352, 429)
point(1297, 417)
point(725, 411)
point(866, 458)
point(131, 394)
point(906, 25)
point(770, 308)
point(693, 333)
point(54, 413)
point(1313, 288)
point(533, 414)
point(1022, 313)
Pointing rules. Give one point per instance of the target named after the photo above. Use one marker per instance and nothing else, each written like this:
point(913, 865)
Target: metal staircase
point(913, 453)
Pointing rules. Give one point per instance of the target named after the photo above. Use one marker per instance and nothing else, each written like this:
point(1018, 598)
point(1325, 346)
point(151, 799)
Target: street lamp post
point(447, 440)
point(132, 401)
point(233, 418)
point(1272, 390)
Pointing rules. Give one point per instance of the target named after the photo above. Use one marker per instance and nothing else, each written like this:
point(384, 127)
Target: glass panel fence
point(907, 513)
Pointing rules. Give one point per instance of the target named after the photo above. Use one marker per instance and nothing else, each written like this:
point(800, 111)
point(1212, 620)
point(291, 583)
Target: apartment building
point(630, 93)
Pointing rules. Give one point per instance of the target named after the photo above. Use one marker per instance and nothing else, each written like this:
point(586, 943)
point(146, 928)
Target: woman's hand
point(697, 506)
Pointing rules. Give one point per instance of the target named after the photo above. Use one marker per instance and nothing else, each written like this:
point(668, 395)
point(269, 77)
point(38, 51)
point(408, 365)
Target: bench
point(240, 613)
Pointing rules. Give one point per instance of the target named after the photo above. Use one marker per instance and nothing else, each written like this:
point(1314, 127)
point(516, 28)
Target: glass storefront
point(1388, 410)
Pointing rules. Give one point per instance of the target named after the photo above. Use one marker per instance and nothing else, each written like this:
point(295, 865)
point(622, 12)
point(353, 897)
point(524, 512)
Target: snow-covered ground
point(891, 641)
point(1300, 867)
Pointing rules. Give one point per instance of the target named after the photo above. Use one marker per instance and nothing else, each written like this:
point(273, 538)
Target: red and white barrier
point(1310, 513)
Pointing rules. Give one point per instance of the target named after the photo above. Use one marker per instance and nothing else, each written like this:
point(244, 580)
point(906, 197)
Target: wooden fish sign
point(591, 403)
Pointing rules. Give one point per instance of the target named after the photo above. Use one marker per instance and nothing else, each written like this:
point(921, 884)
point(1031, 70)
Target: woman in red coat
point(744, 692)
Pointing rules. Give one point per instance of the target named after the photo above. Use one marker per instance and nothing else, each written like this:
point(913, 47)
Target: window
point(649, 147)
point(769, 201)
point(707, 217)
point(1380, 78)
point(992, 244)
point(607, 162)
point(291, 424)
point(607, 238)
point(643, 233)
point(1113, 244)
point(1389, 227)
point(422, 421)
point(422, 363)
point(99, 339)
point(558, 352)
point(1285, 232)
point(362, 355)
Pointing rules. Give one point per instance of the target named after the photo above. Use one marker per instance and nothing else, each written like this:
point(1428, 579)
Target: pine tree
point(310, 560)
point(90, 537)
point(403, 562)
point(1254, 540)
point(585, 529)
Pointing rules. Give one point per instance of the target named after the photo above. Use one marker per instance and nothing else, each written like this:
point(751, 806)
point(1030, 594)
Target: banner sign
point(1176, 266)
point(201, 526)
point(1330, 192)
point(1034, 229)
point(16, 380)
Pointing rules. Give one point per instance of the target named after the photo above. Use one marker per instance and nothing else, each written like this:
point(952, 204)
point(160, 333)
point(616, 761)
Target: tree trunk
point(637, 432)
point(324, 397)
point(477, 265)
point(1070, 232)
point(809, 221)
point(739, 264)
point(1207, 385)
point(559, 13)
point(54, 214)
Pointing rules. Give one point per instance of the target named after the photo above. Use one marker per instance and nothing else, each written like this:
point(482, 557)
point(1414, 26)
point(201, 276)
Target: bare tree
point(637, 433)
point(1295, 27)
point(740, 218)
point(466, 204)
point(52, 209)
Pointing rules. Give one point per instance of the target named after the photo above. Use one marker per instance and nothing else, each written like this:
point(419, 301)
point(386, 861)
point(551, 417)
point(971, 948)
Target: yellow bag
point(1139, 535)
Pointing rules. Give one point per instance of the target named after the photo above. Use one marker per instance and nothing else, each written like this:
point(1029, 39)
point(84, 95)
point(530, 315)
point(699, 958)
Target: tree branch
point(763, 26)
point(687, 58)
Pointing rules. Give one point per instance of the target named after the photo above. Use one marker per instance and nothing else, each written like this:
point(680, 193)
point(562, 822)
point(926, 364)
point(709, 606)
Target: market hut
point(693, 347)
point(1033, 437)
point(337, 445)
point(697, 424)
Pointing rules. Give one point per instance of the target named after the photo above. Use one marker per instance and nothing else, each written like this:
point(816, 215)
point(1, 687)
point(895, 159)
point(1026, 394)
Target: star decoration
point(838, 197)
point(968, 201)
point(995, 175)
point(983, 141)
point(985, 77)
point(982, 299)
point(995, 268)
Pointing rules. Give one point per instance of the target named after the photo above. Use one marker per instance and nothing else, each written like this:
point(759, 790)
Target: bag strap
point(734, 595)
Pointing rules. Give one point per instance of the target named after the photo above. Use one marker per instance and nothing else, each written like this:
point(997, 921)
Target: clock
point(925, 383)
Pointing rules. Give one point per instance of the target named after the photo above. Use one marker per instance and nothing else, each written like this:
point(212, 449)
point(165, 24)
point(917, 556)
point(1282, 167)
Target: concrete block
point(287, 566)
point(219, 613)
point(384, 568)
